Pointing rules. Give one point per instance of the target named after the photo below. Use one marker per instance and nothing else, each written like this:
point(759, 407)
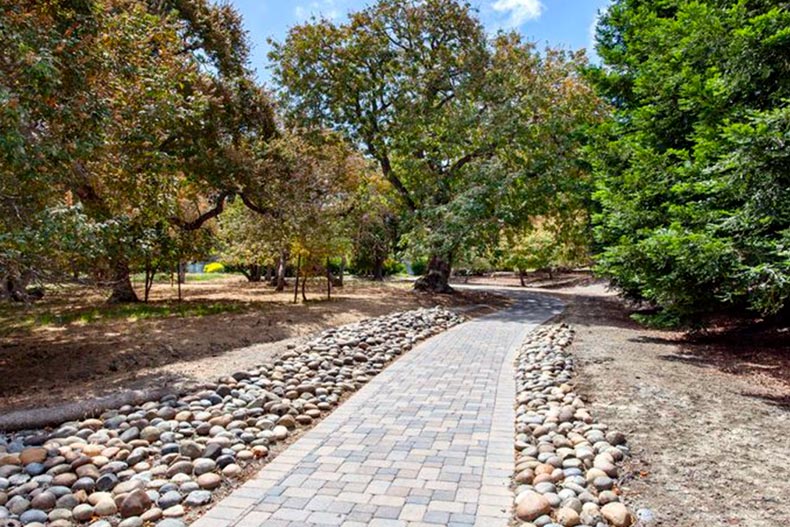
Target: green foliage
point(393, 267)
point(214, 267)
point(693, 174)
point(246, 237)
point(374, 229)
point(419, 266)
point(461, 125)
point(531, 251)
point(137, 115)
point(553, 242)
point(665, 319)
point(305, 210)
point(389, 267)
point(47, 119)
point(476, 261)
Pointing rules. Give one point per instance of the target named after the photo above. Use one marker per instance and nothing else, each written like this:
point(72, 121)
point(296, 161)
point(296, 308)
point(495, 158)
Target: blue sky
point(565, 23)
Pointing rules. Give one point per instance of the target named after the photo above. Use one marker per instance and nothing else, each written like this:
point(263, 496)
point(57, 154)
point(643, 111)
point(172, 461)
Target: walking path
point(427, 442)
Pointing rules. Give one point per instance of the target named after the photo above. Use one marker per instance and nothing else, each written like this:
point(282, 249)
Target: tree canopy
point(693, 171)
point(129, 127)
point(457, 122)
point(134, 121)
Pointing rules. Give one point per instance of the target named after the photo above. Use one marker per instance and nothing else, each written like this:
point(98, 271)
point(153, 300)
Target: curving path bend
point(427, 442)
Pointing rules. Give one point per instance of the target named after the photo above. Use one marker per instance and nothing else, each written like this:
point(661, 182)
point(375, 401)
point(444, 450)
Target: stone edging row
point(155, 463)
point(566, 462)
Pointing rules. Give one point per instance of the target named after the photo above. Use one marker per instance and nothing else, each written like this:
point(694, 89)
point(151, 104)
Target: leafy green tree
point(530, 250)
point(47, 119)
point(547, 246)
point(456, 123)
point(692, 173)
point(303, 210)
point(141, 115)
point(248, 241)
point(375, 225)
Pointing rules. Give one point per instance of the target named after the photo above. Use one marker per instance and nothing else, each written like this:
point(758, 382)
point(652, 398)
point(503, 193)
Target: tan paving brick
point(426, 442)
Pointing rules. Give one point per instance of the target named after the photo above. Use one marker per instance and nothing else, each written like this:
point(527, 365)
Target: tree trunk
point(253, 273)
point(378, 270)
point(521, 275)
point(296, 281)
point(437, 276)
point(343, 264)
point(269, 274)
point(150, 274)
point(304, 295)
point(14, 288)
point(328, 281)
point(122, 290)
point(182, 272)
point(281, 271)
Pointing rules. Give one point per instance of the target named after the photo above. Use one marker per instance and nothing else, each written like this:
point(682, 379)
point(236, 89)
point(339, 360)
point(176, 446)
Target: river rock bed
point(566, 463)
point(154, 463)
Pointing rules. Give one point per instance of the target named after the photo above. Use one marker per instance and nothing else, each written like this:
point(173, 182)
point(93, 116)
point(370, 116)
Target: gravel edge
point(58, 442)
point(567, 464)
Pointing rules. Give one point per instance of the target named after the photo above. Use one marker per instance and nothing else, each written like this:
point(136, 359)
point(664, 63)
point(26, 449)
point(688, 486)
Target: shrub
point(419, 266)
point(393, 266)
point(214, 267)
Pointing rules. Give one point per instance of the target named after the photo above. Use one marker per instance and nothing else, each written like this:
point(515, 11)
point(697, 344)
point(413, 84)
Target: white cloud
point(326, 8)
point(591, 53)
point(519, 11)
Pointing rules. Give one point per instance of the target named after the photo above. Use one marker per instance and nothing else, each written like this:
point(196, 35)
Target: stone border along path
point(566, 463)
point(138, 464)
point(427, 442)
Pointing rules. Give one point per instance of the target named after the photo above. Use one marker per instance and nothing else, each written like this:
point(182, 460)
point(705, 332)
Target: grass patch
point(210, 277)
point(128, 312)
point(164, 278)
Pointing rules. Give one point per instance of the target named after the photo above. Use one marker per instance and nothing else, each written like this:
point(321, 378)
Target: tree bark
point(378, 270)
point(437, 276)
point(328, 281)
point(343, 264)
point(296, 281)
point(182, 272)
point(150, 274)
point(253, 273)
point(521, 274)
point(15, 288)
point(122, 290)
point(281, 271)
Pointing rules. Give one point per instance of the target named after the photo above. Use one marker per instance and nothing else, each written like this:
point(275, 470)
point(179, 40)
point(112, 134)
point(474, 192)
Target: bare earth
point(45, 366)
point(709, 425)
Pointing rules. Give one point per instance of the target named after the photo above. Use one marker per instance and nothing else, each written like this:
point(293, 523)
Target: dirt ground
point(45, 365)
point(708, 419)
point(708, 422)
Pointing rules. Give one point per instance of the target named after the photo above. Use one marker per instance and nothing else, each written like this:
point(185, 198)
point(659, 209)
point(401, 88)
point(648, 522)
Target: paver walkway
point(427, 442)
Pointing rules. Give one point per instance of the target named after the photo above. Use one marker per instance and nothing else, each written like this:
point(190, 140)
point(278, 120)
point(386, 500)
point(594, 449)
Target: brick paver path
point(427, 442)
